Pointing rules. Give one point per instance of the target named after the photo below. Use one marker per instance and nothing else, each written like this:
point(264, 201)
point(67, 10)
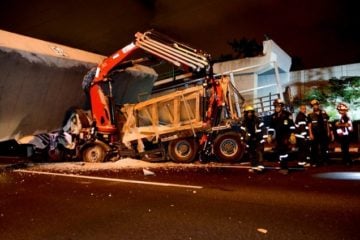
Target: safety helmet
point(278, 102)
point(248, 108)
point(342, 107)
point(314, 102)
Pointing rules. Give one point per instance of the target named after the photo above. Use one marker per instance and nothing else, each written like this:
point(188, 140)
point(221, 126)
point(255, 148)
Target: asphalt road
point(198, 202)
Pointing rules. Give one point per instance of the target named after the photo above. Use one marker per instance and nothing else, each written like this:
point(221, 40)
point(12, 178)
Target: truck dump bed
point(165, 116)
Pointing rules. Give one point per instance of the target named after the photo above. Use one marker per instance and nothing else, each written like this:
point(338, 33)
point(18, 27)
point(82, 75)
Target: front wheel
point(183, 150)
point(94, 153)
point(228, 147)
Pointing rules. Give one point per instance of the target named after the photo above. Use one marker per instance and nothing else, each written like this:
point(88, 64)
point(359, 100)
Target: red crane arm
point(110, 62)
point(151, 42)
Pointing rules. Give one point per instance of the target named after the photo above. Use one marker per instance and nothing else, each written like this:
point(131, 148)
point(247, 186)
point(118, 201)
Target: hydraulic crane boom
point(178, 54)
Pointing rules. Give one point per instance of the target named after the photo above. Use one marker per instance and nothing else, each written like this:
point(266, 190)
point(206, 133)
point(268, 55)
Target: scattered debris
point(262, 230)
point(148, 172)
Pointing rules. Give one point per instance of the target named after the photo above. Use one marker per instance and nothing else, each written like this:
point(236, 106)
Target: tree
point(346, 89)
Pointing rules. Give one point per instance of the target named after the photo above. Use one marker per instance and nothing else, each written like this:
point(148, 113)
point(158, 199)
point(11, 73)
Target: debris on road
point(148, 172)
point(262, 230)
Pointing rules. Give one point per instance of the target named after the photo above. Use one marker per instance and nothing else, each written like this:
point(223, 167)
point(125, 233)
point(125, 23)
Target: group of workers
point(310, 133)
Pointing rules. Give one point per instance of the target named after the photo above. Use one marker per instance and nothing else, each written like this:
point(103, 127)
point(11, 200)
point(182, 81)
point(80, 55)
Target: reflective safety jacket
point(301, 122)
point(319, 122)
point(254, 129)
point(282, 123)
point(344, 126)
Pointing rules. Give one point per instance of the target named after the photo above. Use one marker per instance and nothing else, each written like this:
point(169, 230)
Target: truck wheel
point(228, 147)
point(94, 153)
point(183, 150)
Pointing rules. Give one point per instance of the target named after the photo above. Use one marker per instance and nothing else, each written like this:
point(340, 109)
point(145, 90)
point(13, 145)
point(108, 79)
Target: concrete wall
point(302, 81)
point(38, 84)
point(34, 96)
point(325, 73)
point(253, 75)
point(268, 79)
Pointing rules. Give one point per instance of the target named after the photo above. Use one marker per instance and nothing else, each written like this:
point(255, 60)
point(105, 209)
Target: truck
point(196, 116)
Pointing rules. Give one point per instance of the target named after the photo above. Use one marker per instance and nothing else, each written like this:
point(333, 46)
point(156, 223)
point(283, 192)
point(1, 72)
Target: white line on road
point(110, 179)
point(232, 166)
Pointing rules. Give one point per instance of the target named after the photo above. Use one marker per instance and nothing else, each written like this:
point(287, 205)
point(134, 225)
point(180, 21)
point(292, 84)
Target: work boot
point(259, 168)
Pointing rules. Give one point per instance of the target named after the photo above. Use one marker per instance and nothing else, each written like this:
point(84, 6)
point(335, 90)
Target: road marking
point(339, 175)
point(231, 166)
point(110, 179)
point(265, 167)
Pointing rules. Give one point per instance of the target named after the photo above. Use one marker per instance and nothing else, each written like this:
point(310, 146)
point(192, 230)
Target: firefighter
point(302, 136)
point(343, 129)
point(283, 127)
point(254, 138)
point(319, 134)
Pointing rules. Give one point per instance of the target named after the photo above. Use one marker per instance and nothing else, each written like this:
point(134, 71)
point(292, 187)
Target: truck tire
point(183, 150)
point(228, 147)
point(94, 153)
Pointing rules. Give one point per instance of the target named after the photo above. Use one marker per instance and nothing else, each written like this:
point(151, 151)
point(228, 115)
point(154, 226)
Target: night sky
point(320, 32)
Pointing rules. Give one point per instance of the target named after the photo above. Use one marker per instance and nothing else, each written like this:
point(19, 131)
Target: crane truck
point(196, 118)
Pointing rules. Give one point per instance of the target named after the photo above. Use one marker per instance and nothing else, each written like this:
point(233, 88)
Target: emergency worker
point(254, 130)
point(302, 136)
point(343, 129)
point(283, 126)
point(319, 134)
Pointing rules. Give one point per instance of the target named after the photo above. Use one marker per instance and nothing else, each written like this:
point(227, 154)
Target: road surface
point(211, 201)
